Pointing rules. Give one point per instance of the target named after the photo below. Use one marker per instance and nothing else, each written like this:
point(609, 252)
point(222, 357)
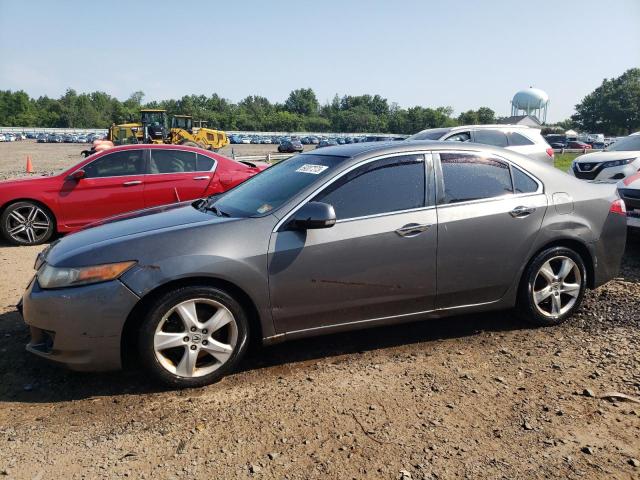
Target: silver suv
point(519, 138)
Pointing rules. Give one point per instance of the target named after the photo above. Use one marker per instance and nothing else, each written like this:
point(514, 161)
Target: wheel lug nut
point(186, 339)
point(204, 342)
point(193, 329)
point(204, 331)
point(193, 347)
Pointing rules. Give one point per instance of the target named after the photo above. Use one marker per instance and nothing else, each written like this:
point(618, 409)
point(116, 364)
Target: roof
point(520, 120)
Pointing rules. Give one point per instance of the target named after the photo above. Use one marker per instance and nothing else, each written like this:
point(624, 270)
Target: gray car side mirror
point(314, 215)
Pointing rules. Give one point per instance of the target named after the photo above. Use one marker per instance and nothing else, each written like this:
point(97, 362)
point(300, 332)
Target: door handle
point(132, 183)
point(412, 229)
point(521, 212)
point(205, 177)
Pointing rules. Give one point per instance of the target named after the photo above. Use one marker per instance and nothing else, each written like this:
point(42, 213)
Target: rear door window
point(172, 161)
point(205, 164)
point(518, 140)
point(490, 137)
point(468, 177)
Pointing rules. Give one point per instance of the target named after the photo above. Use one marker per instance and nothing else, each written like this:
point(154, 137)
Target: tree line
point(300, 112)
point(613, 108)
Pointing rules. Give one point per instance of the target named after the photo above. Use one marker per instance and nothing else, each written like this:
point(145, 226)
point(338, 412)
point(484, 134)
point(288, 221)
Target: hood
point(604, 156)
point(632, 181)
point(133, 224)
point(20, 180)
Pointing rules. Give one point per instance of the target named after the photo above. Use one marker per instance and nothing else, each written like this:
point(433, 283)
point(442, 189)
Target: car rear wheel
point(27, 223)
point(193, 336)
point(553, 287)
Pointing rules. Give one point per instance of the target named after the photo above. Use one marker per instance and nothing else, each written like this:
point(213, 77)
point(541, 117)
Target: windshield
point(433, 134)
point(626, 144)
point(271, 188)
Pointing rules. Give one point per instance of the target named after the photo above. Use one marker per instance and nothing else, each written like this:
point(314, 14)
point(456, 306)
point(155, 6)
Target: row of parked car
point(306, 140)
point(12, 137)
point(68, 138)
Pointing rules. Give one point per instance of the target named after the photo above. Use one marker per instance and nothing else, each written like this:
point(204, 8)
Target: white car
point(519, 138)
point(618, 161)
point(629, 190)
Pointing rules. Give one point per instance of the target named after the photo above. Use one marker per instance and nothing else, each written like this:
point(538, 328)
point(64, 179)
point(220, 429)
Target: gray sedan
point(347, 237)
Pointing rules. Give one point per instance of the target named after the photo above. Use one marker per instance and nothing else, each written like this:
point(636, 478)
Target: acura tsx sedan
point(347, 237)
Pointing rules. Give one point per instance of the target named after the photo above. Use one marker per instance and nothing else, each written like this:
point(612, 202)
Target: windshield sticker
point(313, 169)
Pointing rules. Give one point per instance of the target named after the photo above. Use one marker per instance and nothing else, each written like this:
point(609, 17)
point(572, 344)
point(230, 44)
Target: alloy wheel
point(195, 338)
point(557, 286)
point(28, 224)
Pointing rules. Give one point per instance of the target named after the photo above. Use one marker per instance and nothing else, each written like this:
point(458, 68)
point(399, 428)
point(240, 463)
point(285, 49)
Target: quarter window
point(471, 177)
point(172, 161)
point(383, 186)
point(117, 164)
point(491, 137)
point(523, 183)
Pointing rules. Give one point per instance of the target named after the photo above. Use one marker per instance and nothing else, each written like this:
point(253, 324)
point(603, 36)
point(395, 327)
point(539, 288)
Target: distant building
point(527, 120)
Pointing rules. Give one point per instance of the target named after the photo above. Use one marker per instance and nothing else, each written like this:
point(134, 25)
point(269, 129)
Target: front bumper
point(79, 327)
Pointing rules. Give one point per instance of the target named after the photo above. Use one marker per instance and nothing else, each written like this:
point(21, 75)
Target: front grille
point(585, 175)
point(587, 167)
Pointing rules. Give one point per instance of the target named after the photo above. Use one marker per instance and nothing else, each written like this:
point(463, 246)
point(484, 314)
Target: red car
point(118, 180)
point(577, 144)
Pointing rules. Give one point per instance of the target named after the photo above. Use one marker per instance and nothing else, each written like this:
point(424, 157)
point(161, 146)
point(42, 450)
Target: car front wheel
point(27, 223)
point(193, 336)
point(553, 287)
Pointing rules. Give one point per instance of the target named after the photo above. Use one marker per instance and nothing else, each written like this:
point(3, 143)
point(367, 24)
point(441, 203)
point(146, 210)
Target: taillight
point(550, 152)
point(618, 207)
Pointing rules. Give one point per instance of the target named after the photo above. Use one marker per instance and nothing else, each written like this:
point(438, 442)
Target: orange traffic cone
point(29, 165)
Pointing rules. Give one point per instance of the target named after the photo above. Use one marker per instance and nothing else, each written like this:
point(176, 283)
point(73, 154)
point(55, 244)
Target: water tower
point(531, 101)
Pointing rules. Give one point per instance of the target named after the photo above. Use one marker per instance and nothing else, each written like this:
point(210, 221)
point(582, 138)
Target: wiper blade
point(216, 210)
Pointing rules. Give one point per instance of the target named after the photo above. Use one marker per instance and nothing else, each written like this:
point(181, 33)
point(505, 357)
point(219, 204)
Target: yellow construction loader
point(152, 128)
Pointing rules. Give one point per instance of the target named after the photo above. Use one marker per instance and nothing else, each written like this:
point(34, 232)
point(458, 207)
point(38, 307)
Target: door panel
point(356, 270)
point(481, 246)
point(173, 177)
point(92, 199)
point(114, 184)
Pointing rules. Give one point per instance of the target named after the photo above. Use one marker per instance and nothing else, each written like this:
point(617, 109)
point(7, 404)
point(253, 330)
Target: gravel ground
point(479, 396)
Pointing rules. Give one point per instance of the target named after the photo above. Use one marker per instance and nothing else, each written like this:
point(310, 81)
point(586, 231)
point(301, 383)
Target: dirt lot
point(467, 397)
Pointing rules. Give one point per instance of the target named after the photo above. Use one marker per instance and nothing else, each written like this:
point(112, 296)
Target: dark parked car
point(350, 237)
point(290, 146)
point(327, 142)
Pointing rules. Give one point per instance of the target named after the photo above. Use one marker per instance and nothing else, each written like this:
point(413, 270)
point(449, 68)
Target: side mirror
point(77, 175)
point(314, 215)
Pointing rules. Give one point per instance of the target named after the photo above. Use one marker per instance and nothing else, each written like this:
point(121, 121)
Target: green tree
point(613, 108)
point(302, 101)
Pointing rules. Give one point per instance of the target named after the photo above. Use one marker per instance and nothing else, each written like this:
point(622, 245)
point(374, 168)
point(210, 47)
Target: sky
point(464, 54)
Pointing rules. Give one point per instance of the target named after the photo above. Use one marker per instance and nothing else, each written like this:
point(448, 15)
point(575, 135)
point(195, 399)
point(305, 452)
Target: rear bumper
point(79, 327)
point(609, 249)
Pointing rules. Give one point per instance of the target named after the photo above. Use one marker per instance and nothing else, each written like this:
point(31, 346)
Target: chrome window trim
point(386, 214)
point(540, 189)
point(344, 172)
point(213, 169)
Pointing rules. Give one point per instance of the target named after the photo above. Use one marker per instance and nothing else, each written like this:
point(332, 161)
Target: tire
point(37, 221)
point(167, 343)
point(552, 287)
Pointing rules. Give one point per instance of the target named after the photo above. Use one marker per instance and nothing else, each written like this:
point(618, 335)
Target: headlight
point(53, 277)
point(618, 163)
